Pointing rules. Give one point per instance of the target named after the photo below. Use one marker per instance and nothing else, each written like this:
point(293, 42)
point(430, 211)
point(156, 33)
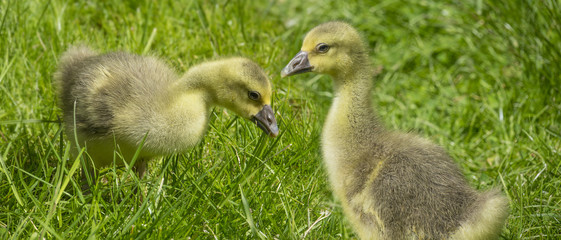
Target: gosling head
point(245, 89)
point(333, 48)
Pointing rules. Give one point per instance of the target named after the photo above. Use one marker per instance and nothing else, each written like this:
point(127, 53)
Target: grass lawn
point(482, 78)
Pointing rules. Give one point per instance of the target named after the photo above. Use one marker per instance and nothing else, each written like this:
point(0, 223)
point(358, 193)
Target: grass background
point(481, 78)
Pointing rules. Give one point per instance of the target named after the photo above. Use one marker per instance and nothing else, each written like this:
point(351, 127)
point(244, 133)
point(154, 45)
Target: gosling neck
point(199, 80)
point(353, 92)
point(357, 84)
point(180, 116)
point(355, 80)
point(351, 114)
point(351, 125)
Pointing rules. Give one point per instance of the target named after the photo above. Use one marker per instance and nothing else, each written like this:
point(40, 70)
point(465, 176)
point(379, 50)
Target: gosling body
point(117, 103)
point(391, 185)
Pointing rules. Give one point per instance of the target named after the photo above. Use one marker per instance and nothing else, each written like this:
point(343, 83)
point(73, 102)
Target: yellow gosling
point(113, 101)
point(392, 185)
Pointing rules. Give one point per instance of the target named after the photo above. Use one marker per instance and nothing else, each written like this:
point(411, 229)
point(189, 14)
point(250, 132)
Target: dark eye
point(254, 95)
point(322, 48)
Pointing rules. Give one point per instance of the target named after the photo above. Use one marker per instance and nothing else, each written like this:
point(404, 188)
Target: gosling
point(391, 185)
point(121, 102)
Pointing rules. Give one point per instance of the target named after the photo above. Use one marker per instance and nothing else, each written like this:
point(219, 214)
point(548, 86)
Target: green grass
point(481, 78)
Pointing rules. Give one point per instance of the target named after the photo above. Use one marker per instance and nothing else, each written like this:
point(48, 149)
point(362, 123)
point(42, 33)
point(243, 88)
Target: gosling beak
point(265, 119)
point(298, 64)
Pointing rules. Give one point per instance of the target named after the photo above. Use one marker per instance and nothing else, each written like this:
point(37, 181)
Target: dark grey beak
point(265, 119)
point(298, 64)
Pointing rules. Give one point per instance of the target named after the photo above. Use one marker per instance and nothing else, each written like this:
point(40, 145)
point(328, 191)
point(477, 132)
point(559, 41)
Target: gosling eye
point(254, 95)
point(322, 48)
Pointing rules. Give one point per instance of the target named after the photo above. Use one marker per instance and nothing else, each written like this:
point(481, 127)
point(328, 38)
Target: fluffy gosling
point(118, 101)
point(392, 185)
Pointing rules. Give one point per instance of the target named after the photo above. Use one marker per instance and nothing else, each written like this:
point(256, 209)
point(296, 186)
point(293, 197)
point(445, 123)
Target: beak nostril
point(297, 61)
point(298, 64)
point(265, 119)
